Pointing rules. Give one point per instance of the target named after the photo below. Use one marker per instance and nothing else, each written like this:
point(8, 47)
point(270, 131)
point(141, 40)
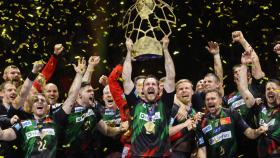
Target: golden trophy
point(146, 22)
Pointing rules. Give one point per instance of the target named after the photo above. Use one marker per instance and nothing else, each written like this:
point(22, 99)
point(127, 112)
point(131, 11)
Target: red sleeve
point(176, 136)
point(117, 91)
point(46, 73)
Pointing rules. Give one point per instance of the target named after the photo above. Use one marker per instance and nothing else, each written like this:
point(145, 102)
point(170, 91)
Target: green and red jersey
point(184, 140)
point(219, 133)
point(39, 137)
point(145, 144)
point(269, 143)
point(112, 117)
point(81, 124)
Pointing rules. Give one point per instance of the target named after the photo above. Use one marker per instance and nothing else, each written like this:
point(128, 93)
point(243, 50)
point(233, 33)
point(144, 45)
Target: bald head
point(51, 93)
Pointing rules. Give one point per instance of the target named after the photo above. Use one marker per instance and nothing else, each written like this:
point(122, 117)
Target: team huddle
point(147, 116)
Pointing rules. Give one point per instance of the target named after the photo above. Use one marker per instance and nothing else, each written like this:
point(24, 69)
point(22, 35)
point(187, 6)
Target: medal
point(150, 127)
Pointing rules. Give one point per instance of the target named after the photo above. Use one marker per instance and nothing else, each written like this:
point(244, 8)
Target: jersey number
point(42, 145)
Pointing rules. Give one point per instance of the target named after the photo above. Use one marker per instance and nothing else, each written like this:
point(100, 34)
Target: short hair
point(84, 84)
point(162, 79)
point(239, 65)
point(276, 81)
point(151, 76)
point(213, 90)
point(138, 78)
point(33, 97)
point(182, 81)
point(216, 78)
point(236, 66)
point(8, 68)
point(2, 86)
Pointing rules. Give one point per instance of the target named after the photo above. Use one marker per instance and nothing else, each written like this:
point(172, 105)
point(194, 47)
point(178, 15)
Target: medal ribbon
point(151, 111)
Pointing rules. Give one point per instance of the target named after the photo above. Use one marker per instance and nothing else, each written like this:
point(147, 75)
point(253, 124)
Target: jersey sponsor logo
point(85, 115)
point(26, 123)
point(218, 138)
point(109, 112)
point(31, 134)
point(78, 109)
point(234, 98)
point(48, 131)
point(200, 141)
point(217, 130)
point(36, 133)
point(238, 103)
point(225, 121)
point(207, 129)
point(145, 117)
point(48, 120)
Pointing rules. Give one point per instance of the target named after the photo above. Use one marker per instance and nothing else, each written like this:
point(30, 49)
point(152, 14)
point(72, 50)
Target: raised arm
point(127, 68)
point(242, 86)
point(117, 91)
point(7, 134)
point(49, 68)
point(257, 72)
point(214, 49)
point(92, 62)
point(27, 85)
point(75, 87)
point(237, 36)
point(169, 84)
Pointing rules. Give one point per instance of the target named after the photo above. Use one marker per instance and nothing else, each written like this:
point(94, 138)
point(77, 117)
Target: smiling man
point(220, 128)
point(39, 134)
point(151, 116)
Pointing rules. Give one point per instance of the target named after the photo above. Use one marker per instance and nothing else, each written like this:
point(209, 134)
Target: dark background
point(30, 28)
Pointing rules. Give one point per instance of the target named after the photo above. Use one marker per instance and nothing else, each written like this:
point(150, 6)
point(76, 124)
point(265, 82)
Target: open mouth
point(271, 95)
point(17, 79)
point(40, 108)
point(110, 100)
point(185, 96)
point(211, 106)
point(151, 91)
point(13, 97)
point(91, 98)
point(52, 97)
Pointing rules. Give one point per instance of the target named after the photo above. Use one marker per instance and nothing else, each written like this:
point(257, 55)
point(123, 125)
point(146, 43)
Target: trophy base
point(146, 57)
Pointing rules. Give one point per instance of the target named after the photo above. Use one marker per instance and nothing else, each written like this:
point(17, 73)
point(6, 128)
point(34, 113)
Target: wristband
point(32, 76)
